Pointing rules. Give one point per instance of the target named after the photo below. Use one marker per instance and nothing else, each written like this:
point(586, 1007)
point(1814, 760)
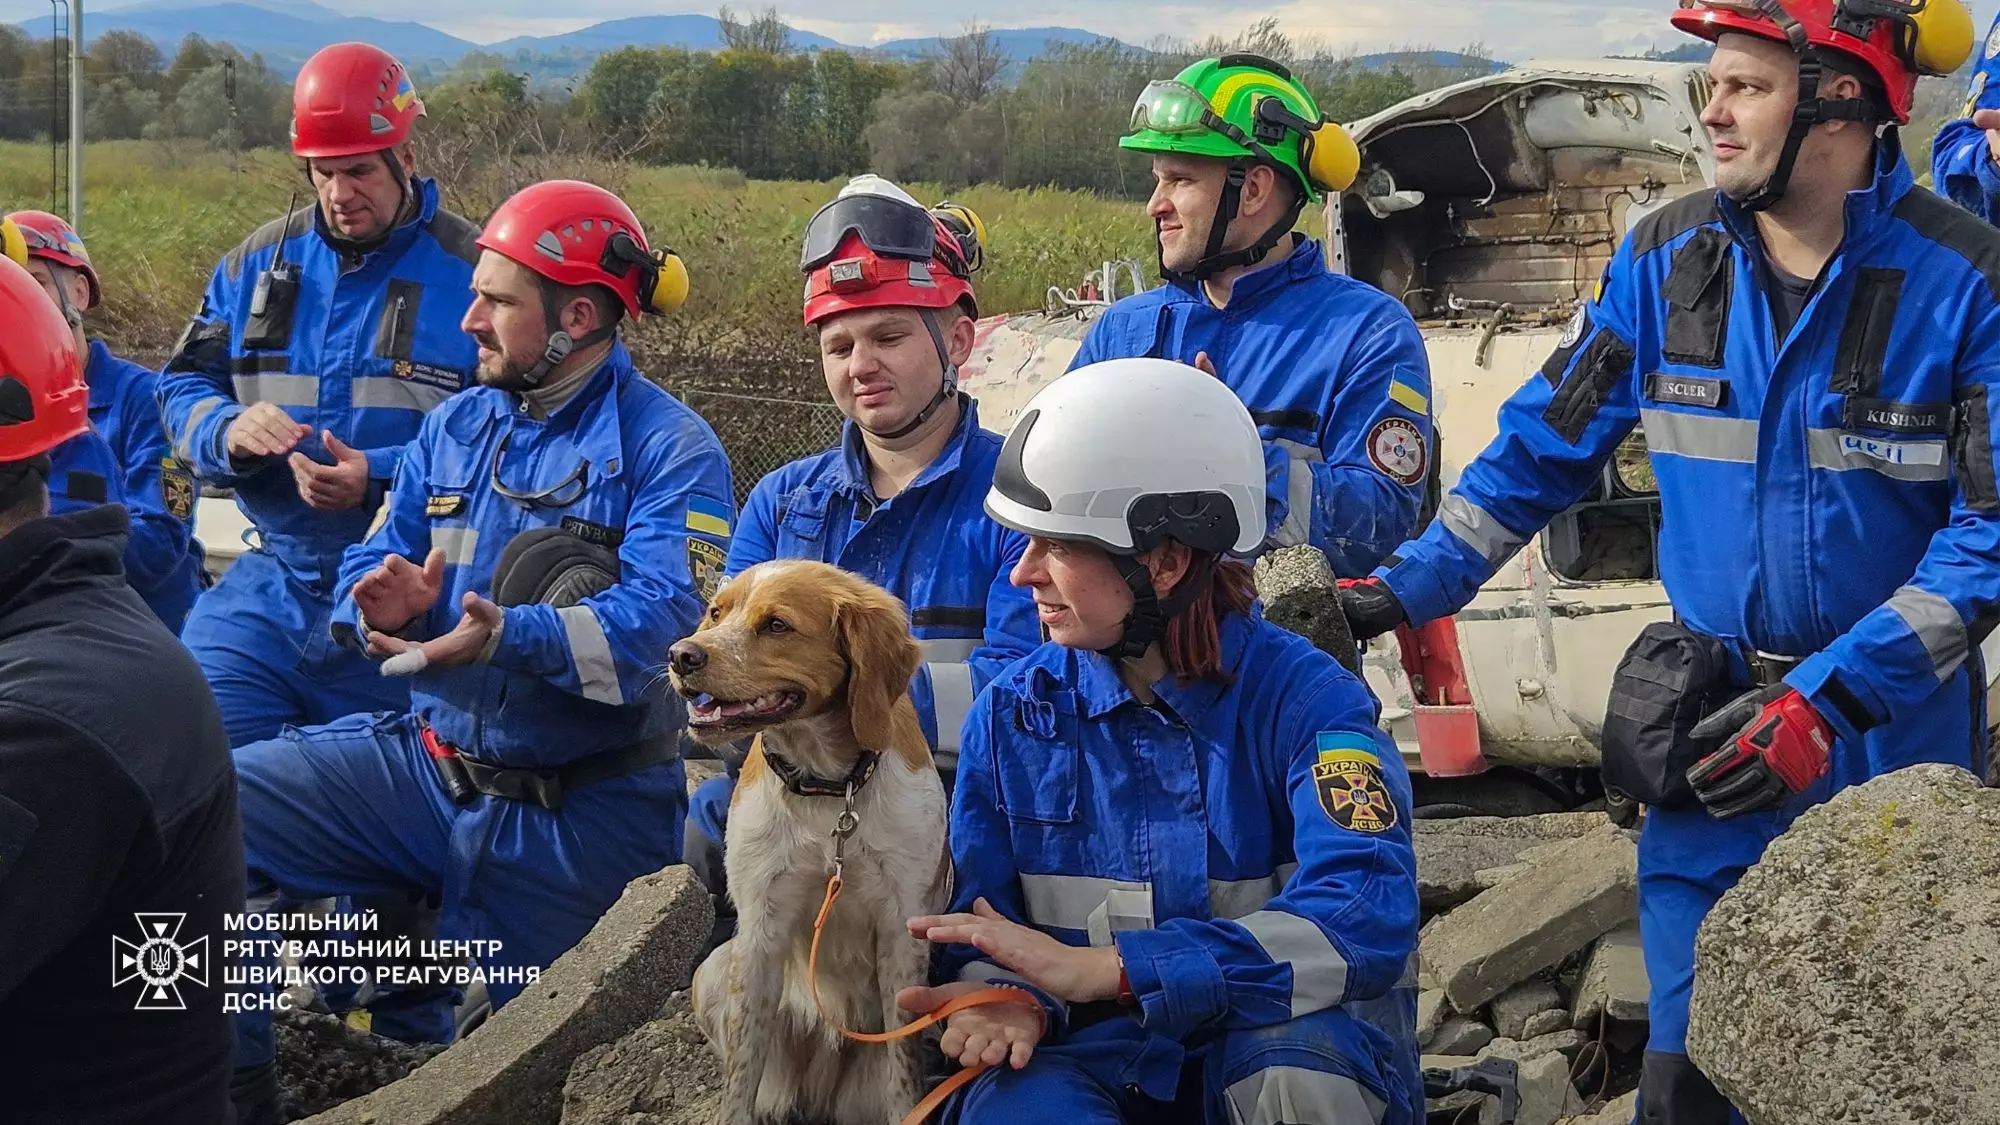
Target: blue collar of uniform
point(1867, 208)
point(97, 376)
point(852, 477)
point(1306, 261)
point(592, 412)
point(399, 239)
point(1102, 690)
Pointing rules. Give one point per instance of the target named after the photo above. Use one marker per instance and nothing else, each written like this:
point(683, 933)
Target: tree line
point(964, 114)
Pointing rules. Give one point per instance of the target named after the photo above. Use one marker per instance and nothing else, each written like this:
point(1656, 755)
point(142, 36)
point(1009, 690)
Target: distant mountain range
point(287, 32)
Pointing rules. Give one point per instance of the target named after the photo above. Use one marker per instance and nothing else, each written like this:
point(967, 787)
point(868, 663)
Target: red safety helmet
point(43, 400)
point(351, 99)
point(1897, 39)
point(54, 240)
point(873, 247)
point(574, 233)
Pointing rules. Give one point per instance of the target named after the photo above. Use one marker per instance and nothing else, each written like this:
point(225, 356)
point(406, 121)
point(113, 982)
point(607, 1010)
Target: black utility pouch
point(1671, 678)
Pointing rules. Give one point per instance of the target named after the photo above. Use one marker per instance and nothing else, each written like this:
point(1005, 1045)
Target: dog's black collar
point(810, 785)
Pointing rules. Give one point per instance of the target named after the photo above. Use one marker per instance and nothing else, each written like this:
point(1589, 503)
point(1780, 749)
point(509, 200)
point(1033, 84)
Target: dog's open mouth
point(706, 711)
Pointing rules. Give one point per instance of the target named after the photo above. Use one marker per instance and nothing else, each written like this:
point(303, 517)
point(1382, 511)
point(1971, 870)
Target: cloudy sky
point(1511, 29)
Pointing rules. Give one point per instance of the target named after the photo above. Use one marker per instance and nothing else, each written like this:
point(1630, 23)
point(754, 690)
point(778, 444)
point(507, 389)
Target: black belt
point(545, 787)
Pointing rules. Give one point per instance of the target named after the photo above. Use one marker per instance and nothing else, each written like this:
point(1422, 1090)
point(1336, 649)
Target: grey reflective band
point(459, 544)
point(590, 649)
point(951, 702)
point(1319, 972)
point(1099, 907)
point(1286, 1095)
point(386, 392)
point(979, 972)
point(1477, 529)
point(1937, 625)
point(1897, 458)
point(278, 390)
point(1234, 898)
point(185, 444)
point(1702, 437)
point(1297, 527)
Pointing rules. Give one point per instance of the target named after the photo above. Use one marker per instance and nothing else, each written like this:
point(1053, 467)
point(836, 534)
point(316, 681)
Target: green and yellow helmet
point(1239, 106)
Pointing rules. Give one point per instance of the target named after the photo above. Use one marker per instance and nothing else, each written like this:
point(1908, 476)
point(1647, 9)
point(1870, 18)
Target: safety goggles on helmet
point(1177, 109)
point(889, 227)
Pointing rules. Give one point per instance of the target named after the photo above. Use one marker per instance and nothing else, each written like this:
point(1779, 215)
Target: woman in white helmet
point(1176, 823)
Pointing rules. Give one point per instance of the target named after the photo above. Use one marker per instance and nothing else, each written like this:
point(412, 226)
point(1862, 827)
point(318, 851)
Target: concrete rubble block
point(1545, 1023)
point(1300, 593)
point(1460, 1035)
point(1853, 975)
point(1566, 1043)
point(1614, 980)
point(1431, 1011)
point(1452, 852)
point(1512, 1009)
point(1618, 1111)
point(665, 1073)
point(1529, 923)
point(1543, 1084)
point(511, 1070)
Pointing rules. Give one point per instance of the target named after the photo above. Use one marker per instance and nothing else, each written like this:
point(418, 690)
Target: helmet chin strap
point(1146, 625)
point(1214, 259)
point(560, 344)
point(947, 386)
point(1811, 110)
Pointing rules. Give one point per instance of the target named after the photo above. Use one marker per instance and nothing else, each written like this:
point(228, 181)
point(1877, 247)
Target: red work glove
point(1370, 608)
point(1779, 747)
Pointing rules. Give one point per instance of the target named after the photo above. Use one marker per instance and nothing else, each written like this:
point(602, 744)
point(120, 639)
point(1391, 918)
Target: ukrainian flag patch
point(1333, 744)
point(707, 517)
point(1409, 392)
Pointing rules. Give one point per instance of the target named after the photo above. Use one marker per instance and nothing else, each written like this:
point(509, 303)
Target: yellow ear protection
point(1944, 34)
point(1328, 155)
point(663, 277)
point(13, 242)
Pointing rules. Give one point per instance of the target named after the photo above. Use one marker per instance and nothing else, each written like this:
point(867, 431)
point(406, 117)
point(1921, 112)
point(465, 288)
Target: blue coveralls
point(1854, 460)
point(373, 346)
point(163, 560)
point(1245, 843)
point(1962, 167)
point(356, 806)
point(931, 545)
point(1335, 375)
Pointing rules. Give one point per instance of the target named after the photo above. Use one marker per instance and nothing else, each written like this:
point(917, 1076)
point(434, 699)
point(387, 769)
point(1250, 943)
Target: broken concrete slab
point(1460, 1035)
point(1545, 1023)
point(1618, 1111)
point(1614, 980)
point(1512, 1009)
point(1545, 1094)
point(665, 1073)
point(1299, 592)
point(1854, 974)
point(1431, 1011)
point(1527, 924)
point(1566, 1043)
point(1452, 852)
point(511, 1070)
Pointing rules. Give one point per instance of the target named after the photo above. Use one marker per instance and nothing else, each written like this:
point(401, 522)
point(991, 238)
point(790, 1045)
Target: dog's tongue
point(711, 708)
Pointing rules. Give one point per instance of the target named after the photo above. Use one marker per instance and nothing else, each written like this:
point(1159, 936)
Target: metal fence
point(761, 433)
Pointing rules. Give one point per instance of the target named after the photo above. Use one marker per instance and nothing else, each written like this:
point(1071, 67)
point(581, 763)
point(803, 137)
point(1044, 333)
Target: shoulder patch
point(1675, 219)
point(1347, 777)
point(177, 488)
point(705, 561)
point(1398, 449)
point(1955, 229)
point(456, 234)
point(268, 235)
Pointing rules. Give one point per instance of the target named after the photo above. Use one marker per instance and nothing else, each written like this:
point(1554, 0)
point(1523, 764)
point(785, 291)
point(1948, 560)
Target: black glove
point(1370, 608)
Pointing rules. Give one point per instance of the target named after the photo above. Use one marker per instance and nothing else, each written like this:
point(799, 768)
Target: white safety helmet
point(868, 183)
point(1130, 452)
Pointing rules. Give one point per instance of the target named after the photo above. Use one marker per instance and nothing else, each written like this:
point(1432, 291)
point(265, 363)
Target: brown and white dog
point(816, 663)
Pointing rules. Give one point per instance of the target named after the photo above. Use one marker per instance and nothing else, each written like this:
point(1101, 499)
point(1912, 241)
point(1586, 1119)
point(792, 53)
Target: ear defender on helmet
point(663, 277)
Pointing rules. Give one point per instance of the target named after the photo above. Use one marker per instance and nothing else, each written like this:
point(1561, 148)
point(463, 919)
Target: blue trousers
point(260, 636)
point(1688, 860)
point(355, 807)
point(1321, 1068)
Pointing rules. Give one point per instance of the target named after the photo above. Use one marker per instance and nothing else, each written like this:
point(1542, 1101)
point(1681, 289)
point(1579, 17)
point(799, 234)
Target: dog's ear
point(881, 658)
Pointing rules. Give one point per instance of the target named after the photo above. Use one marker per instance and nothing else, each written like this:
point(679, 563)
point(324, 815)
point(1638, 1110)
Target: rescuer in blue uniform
point(1176, 823)
point(1965, 154)
point(322, 341)
point(1333, 370)
point(1812, 351)
point(898, 501)
point(124, 458)
point(545, 544)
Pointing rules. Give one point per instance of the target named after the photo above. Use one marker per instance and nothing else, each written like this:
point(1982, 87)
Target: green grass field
point(157, 218)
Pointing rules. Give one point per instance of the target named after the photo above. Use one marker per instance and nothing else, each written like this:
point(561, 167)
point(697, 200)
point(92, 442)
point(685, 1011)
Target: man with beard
point(322, 341)
point(536, 559)
point(889, 296)
point(1333, 370)
point(1813, 350)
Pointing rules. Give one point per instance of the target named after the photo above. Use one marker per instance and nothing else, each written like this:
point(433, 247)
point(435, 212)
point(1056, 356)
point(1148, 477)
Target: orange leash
point(996, 994)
